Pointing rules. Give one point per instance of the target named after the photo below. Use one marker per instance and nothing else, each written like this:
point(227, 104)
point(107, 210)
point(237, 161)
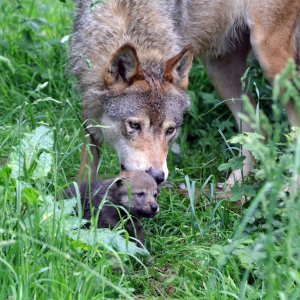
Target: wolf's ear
point(123, 66)
point(178, 67)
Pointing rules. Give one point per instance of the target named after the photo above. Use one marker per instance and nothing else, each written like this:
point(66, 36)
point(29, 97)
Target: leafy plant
point(264, 242)
point(32, 158)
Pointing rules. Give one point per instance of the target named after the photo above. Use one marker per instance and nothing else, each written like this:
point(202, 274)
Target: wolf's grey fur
point(158, 29)
point(121, 49)
point(142, 204)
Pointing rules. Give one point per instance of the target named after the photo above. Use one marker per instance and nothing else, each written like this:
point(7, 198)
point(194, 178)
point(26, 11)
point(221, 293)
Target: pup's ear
point(119, 182)
point(122, 68)
point(178, 67)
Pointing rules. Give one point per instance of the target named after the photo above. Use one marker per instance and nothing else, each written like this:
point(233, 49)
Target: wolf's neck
point(145, 24)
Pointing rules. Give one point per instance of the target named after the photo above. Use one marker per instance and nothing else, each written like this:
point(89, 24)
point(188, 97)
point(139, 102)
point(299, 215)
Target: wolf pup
point(142, 204)
point(132, 59)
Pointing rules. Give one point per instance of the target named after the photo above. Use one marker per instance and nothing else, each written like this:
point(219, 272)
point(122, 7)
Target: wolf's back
point(101, 29)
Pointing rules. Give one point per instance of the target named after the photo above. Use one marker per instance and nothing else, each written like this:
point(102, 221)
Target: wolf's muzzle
point(158, 175)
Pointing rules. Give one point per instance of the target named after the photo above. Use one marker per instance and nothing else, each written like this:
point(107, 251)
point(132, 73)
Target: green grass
point(201, 247)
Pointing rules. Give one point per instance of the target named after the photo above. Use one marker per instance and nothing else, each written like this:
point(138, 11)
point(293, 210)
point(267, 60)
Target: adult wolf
point(132, 59)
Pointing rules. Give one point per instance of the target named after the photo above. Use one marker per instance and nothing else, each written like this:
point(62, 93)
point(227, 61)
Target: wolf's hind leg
point(275, 41)
point(226, 72)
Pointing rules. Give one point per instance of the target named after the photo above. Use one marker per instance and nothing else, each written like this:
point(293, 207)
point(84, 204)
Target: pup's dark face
point(137, 192)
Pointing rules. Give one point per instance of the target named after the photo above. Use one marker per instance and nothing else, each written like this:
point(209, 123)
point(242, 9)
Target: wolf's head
point(142, 108)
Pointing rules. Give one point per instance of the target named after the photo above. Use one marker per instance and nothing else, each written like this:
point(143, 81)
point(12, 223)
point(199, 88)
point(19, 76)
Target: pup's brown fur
point(130, 57)
point(142, 204)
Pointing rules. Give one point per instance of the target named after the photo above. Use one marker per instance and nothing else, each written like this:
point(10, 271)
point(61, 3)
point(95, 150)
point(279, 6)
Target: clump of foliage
point(264, 245)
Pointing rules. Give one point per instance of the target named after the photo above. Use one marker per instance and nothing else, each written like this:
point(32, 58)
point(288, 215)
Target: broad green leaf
point(109, 238)
point(4, 174)
point(32, 158)
point(234, 163)
point(68, 206)
point(246, 137)
point(238, 191)
point(29, 196)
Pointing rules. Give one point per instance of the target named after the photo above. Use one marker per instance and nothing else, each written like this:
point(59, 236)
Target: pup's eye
point(155, 195)
point(140, 194)
point(170, 130)
point(134, 125)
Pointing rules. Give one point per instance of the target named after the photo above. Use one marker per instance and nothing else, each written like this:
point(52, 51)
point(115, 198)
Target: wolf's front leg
point(226, 72)
point(89, 162)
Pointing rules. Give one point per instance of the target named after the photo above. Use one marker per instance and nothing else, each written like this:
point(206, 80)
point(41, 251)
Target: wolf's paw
point(234, 177)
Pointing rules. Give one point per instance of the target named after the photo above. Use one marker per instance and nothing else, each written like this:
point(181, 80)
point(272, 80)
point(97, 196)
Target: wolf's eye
point(140, 194)
point(155, 195)
point(134, 125)
point(170, 130)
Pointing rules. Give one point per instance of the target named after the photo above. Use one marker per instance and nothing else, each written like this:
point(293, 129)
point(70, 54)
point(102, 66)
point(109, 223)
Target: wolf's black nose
point(158, 175)
point(154, 207)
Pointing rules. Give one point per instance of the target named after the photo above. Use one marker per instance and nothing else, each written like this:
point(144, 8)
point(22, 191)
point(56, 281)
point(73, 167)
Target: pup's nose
point(158, 175)
point(154, 207)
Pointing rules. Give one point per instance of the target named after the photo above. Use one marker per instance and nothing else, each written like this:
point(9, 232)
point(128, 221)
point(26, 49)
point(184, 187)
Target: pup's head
point(137, 192)
point(142, 108)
